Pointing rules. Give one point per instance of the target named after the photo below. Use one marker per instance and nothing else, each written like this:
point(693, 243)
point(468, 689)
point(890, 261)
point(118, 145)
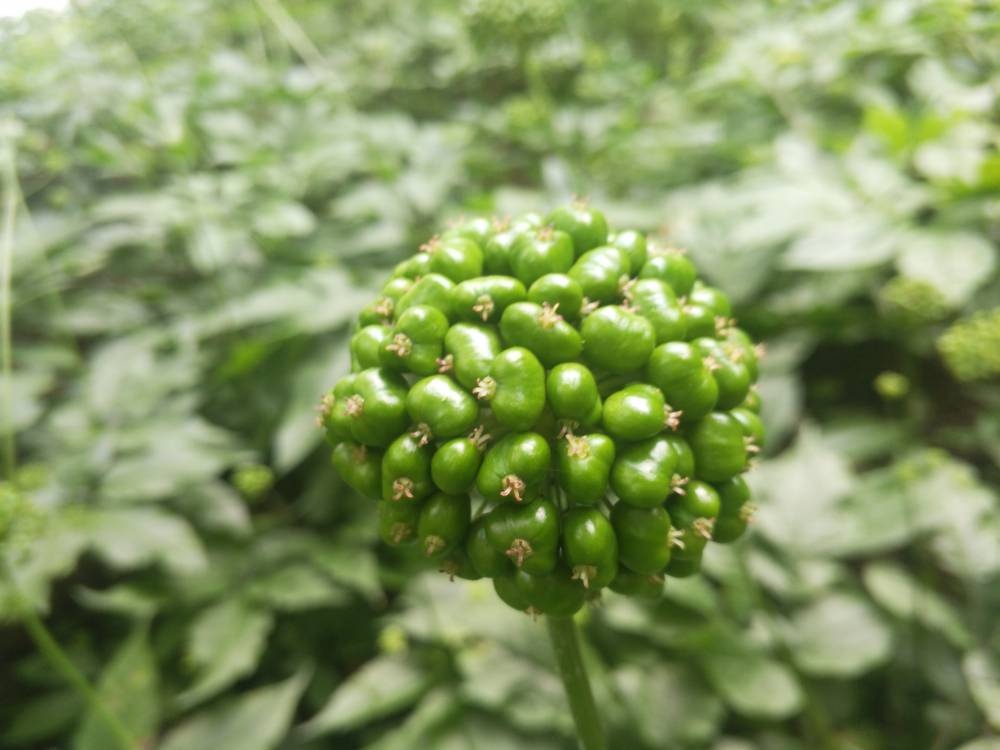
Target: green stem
point(6, 366)
point(566, 645)
point(51, 650)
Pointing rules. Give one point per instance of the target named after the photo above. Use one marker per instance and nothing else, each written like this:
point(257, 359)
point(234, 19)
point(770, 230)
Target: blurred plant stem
point(6, 261)
point(49, 647)
point(566, 645)
point(295, 36)
point(40, 634)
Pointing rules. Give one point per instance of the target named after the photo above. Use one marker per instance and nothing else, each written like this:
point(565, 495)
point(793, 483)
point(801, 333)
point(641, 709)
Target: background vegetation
point(198, 195)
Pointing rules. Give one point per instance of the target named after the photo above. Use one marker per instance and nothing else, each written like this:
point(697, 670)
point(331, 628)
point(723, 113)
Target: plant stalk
point(57, 657)
point(566, 645)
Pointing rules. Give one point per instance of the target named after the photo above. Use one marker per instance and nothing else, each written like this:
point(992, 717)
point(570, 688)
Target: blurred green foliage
point(204, 194)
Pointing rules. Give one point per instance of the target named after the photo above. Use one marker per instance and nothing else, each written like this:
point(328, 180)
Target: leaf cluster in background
point(207, 192)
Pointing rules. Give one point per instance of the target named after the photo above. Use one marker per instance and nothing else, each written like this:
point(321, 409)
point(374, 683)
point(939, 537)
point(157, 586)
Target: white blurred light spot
point(13, 8)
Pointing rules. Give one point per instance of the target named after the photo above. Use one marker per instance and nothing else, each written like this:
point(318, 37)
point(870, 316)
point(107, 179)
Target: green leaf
point(128, 687)
point(862, 242)
point(129, 599)
point(381, 687)
point(437, 708)
point(983, 677)
point(526, 692)
point(298, 434)
point(984, 743)
point(954, 263)
point(838, 636)
point(353, 566)
point(284, 219)
point(217, 507)
point(257, 720)
point(224, 644)
point(895, 590)
point(42, 718)
point(126, 539)
point(753, 684)
point(799, 494)
point(669, 704)
point(296, 587)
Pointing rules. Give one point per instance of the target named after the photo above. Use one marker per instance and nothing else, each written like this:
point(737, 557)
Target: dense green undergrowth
point(197, 197)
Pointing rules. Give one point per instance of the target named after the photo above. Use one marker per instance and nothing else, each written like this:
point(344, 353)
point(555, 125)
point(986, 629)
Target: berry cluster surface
point(551, 405)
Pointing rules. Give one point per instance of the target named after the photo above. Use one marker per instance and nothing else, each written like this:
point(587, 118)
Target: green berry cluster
point(912, 302)
point(505, 22)
point(550, 405)
point(971, 346)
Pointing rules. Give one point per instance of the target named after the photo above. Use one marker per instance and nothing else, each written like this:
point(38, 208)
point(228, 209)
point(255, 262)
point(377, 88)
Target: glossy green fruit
point(394, 289)
point(593, 394)
point(542, 331)
point(560, 292)
point(675, 268)
point(455, 464)
point(379, 312)
point(572, 394)
point(645, 537)
point(698, 500)
point(432, 289)
point(397, 522)
point(718, 447)
point(514, 468)
point(470, 349)
point(366, 346)
point(406, 470)
point(554, 593)
point(498, 251)
point(511, 594)
point(457, 564)
point(584, 466)
point(731, 376)
point(753, 428)
point(586, 226)
point(359, 466)
point(699, 321)
point(752, 401)
point(376, 407)
point(590, 547)
point(735, 510)
point(694, 532)
point(741, 348)
point(528, 534)
point(443, 523)
point(484, 299)
point(479, 229)
point(335, 411)
point(487, 560)
point(616, 340)
point(515, 388)
point(678, 370)
point(440, 408)
point(601, 273)
point(634, 245)
point(712, 298)
point(683, 452)
point(417, 341)
point(684, 567)
point(636, 412)
point(413, 267)
point(645, 473)
point(455, 257)
point(541, 252)
point(654, 300)
point(640, 586)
